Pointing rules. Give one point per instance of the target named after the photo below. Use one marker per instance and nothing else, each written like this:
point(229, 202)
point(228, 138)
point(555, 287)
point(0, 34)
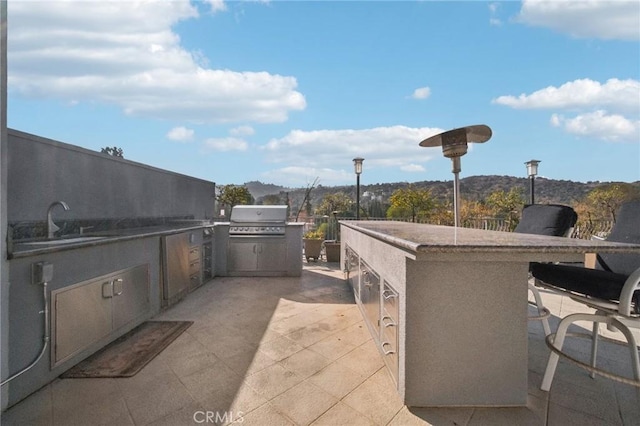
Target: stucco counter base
point(462, 326)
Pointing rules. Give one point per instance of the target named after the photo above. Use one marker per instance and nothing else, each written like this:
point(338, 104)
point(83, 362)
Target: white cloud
point(125, 53)
point(217, 5)
point(329, 153)
point(611, 127)
point(226, 144)
point(180, 134)
point(412, 168)
point(591, 100)
point(242, 131)
point(604, 19)
point(297, 176)
point(620, 95)
point(421, 93)
point(493, 10)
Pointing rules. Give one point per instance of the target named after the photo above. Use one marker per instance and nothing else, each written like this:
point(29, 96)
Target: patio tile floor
point(295, 351)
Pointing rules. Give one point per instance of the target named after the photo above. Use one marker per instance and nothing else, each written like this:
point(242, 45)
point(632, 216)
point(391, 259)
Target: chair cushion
point(546, 219)
point(591, 282)
point(625, 230)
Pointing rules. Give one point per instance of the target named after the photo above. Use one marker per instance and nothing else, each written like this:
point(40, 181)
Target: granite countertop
point(24, 248)
point(70, 242)
point(423, 238)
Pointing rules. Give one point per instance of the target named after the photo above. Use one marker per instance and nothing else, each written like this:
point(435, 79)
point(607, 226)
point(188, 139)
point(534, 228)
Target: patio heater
point(454, 145)
point(357, 164)
point(532, 171)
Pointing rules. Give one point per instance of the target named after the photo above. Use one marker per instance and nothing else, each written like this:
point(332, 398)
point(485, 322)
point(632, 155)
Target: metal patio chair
point(612, 289)
point(545, 219)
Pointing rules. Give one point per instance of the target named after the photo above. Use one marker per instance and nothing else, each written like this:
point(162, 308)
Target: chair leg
point(594, 347)
point(633, 346)
point(543, 312)
point(558, 341)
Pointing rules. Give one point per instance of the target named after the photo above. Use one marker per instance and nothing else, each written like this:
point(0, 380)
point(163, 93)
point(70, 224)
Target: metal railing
point(582, 230)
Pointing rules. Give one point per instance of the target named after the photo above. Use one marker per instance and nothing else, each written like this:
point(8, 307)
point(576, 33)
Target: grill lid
point(259, 214)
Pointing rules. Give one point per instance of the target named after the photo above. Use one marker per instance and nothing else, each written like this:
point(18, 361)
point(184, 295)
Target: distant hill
point(471, 188)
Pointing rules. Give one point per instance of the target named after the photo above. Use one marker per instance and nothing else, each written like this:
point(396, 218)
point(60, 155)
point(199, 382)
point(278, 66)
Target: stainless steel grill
point(258, 220)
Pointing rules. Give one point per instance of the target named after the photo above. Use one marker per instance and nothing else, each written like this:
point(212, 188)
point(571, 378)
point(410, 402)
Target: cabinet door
point(130, 295)
point(370, 294)
point(389, 323)
point(242, 256)
point(82, 316)
point(175, 264)
point(272, 255)
point(207, 261)
point(353, 268)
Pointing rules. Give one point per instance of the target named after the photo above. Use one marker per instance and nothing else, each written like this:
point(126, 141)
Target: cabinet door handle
point(366, 279)
point(254, 248)
point(385, 351)
point(388, 294)
point(117, 287)
point(107, 290)
point(390, 323)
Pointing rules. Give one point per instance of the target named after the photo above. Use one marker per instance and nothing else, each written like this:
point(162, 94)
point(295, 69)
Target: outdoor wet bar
point(447, 306)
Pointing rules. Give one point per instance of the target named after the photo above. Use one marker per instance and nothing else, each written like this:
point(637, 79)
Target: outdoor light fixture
point(357, 164)
point(532, 171)
point(454, 145)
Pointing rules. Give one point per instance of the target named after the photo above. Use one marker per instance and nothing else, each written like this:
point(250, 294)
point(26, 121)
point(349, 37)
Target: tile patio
point(295, 351)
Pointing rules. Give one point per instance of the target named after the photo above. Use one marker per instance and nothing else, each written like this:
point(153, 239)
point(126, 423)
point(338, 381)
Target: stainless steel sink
point(62, 241)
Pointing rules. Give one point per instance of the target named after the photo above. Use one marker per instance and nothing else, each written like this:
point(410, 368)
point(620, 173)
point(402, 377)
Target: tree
point(232, 195)
point(507, 205)
point(114, 151)
point(605, 200)
point(335, 202)
point(411, 202)
point(271, 200)
point(306, 200)
point(376, 208)
point(474, 209)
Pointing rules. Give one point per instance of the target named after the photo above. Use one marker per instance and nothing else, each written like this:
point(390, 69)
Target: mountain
point(259, 189)
point(471, 188)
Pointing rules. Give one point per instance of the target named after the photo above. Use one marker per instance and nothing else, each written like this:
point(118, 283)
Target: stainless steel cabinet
point(89, 311)
point(389, 322)
point(353, 270)
point(380, 305)
point(195, 273)
point(257, 254)
point(175, 264)
point(131, 295)
point(207, 261)
point(370, 294)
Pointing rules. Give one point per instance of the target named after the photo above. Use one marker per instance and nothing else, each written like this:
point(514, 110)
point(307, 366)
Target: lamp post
point(532, 171)
point(357, 164)
point(454, 145)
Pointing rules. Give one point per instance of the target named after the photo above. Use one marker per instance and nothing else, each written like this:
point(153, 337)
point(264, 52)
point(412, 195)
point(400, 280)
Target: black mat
point(127, 355)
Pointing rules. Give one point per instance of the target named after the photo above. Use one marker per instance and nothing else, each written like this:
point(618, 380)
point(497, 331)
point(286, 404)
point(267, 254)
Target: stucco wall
point(95, 185)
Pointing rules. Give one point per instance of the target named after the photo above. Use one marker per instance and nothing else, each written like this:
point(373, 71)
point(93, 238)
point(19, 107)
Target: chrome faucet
point(52, 227)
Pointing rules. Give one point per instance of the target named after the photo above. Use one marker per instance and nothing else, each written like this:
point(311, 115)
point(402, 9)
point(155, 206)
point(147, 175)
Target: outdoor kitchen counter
point(18, 249)
point(461, 297)
point(423, 238)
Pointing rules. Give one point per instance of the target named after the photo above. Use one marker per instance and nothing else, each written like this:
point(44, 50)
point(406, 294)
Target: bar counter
point(461, 332)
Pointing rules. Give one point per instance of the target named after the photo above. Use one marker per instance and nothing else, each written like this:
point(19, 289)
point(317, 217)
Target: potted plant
point(312, 241)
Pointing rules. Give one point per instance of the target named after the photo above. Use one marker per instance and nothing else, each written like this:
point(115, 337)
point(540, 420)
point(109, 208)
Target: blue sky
point(285, 92)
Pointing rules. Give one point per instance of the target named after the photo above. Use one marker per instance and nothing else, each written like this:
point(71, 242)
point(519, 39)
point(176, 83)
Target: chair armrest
point(631, 285)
